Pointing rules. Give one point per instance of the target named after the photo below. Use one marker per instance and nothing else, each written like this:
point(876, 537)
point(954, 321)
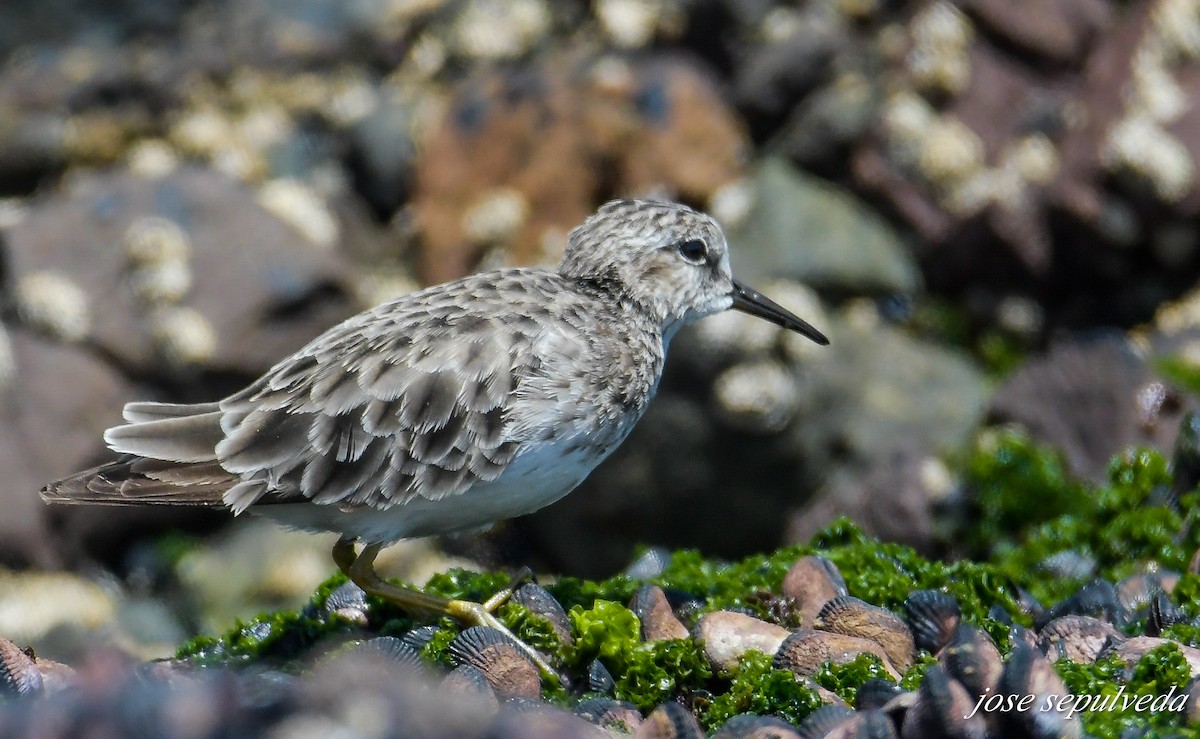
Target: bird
point(447, 409)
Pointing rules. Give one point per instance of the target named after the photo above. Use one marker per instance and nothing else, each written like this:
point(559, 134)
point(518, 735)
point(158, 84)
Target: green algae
point(757, 687)
point(1028, 509)
point(1162, 673)
point(845, 679)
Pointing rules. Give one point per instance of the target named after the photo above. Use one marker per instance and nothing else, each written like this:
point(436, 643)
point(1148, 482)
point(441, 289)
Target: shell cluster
point(934, 666)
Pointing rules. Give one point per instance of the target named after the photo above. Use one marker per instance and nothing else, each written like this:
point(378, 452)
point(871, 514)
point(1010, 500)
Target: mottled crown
point(633, 247)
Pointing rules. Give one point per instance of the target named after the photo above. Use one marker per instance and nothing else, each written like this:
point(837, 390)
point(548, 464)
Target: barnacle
point(55, 304)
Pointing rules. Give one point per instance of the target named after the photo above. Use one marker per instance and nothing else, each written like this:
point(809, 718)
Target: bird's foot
point(360, 568)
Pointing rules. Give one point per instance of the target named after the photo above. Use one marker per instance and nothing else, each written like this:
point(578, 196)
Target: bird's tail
point(168, 458)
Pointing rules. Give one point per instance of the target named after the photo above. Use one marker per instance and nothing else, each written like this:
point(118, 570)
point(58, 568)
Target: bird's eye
point(693, 251)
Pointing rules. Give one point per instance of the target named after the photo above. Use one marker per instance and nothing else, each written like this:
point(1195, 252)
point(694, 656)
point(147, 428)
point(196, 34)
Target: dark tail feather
point(133, 480)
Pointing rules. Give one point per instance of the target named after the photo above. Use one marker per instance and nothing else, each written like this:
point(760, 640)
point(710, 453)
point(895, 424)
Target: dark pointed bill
point(749, 300)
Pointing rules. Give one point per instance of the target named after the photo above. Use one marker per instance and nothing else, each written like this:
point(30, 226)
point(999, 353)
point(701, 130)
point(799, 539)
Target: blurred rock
point(804, 229)
point(1061, 31)
point(1090, 399)
point(519, 156)
point(54, 405)
point(257, 291)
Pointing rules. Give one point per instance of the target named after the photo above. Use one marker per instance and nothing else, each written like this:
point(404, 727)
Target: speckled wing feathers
point(407, 399)
point(382, 408)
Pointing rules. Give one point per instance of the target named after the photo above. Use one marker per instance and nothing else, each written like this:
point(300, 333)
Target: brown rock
point(811, 583)
point(728, 635)
point(514, 164)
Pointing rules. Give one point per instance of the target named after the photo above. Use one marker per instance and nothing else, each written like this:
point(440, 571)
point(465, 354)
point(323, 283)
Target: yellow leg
point(360, 569)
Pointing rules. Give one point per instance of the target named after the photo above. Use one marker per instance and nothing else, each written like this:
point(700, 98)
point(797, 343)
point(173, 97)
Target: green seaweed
point(1162, 674)
point(1028, 510)
point(757, 687)
point(646, 673)
point(845, 679)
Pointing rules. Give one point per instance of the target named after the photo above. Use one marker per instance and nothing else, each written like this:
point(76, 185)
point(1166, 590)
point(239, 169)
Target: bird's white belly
point(533, 480)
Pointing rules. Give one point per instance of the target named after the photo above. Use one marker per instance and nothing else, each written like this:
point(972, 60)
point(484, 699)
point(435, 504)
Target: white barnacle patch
point(1035, 158)
point(301, 208)
point(1139, 145)
point(152, 158)
point(496, 216)
point(629, 24)
point(732, 203)
point(202, 132)
point(950, 152)
point(167, 282)
point(937, 60)
point(54, 303)
point(907, 118)
point(156, 240)
point(500, 29)
point(183, 336)
point(158, 251)
point(760, 397)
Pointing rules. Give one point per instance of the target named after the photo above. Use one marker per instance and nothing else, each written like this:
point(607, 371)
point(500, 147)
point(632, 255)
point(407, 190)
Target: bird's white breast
point(535, 479)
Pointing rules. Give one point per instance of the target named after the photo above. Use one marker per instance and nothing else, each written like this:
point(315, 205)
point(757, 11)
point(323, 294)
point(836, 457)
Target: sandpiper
point(447, 409)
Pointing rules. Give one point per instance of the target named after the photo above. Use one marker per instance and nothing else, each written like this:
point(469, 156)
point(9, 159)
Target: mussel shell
point(19, 675)
point(812, 582)
point(823, 720)
point(539, 601)
point(508, 670)
point(1077, 638)
point(469, 680)
point(933, 617)
point(876, 693)
point(1028, 673)
point(1098, 598)
point(522, 718)
point(1136, 592)
point(805, 650)
point(417, 638)
point(670, 721)
point(865, 725)
point(851, 616)
point(347, 601)
point(941, 710)
point(1163, 613)
point(396, 652)
point(750, 726)
point(610, 714)
point(658, 619)
point(972, 659)
point(600, 680)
